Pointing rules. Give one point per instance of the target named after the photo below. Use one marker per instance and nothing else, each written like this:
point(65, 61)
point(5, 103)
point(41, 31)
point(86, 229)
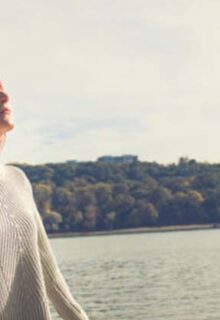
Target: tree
point(143, 214)
point(109, 220)
point(51, 220)
point(123, 204)
point(91, 213)
point(42, 194)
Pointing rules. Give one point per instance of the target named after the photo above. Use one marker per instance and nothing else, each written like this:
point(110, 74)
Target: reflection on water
point(153, 276)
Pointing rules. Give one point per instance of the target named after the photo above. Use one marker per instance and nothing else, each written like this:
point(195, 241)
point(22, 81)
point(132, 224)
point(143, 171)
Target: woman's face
point(6, 123)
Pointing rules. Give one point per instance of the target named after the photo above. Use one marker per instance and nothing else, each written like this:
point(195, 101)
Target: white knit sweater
point(29, 272)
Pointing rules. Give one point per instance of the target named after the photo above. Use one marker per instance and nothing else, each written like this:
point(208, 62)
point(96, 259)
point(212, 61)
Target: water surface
point(155, 276)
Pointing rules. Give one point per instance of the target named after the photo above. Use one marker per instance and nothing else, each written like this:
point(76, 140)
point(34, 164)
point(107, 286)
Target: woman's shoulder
point(18, 176)
point(14, 169)
point(15, 172)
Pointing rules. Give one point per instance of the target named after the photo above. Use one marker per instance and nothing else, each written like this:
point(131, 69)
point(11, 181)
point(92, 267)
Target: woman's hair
point(2, 142)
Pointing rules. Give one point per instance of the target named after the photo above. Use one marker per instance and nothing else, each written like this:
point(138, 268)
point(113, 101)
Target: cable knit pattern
point(29, 272)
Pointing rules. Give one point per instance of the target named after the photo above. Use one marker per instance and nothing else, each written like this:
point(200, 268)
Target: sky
point(97, 77)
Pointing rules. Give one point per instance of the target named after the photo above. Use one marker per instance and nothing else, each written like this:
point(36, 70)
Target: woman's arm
point(57, 289)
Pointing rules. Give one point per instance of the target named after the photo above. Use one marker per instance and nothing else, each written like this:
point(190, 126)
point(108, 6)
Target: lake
point(155, 276)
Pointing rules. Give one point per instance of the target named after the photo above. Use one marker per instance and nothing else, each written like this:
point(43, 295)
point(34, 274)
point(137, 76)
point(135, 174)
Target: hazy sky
point(110, 77)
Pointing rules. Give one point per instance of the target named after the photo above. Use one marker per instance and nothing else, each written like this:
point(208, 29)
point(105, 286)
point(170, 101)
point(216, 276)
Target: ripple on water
point(157, 276)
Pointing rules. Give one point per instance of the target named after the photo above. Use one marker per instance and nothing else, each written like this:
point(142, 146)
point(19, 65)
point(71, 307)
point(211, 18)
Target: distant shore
point(136, 230)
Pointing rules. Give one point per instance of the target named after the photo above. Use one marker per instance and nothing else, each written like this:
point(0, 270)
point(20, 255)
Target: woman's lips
point(6, 111)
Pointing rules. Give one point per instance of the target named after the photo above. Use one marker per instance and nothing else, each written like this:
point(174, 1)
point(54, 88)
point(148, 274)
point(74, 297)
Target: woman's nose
point(3, 97)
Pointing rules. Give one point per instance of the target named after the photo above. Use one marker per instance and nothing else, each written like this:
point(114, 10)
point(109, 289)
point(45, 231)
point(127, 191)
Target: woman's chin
point(6, 124)
point(11, 125)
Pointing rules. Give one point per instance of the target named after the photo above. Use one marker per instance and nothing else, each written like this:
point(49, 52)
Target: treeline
point(85, 196)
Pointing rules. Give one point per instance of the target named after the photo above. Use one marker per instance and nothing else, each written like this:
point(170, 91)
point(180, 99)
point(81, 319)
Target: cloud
point(112, 77)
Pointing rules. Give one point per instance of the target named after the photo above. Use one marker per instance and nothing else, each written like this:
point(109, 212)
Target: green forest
point(96, 195)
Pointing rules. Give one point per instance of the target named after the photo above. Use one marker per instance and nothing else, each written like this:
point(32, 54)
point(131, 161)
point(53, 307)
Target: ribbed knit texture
point(29, 271)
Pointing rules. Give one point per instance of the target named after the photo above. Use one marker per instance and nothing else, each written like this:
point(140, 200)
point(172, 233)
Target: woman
point(29, 272)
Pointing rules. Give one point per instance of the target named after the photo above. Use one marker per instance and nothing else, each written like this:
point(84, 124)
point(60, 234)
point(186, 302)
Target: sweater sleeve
point(56, 286)
point(57, 289)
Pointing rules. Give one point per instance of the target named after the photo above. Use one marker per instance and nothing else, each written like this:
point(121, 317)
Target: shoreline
point(191, 227)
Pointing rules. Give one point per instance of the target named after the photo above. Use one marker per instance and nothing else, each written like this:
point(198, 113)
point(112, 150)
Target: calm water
point(153, 276)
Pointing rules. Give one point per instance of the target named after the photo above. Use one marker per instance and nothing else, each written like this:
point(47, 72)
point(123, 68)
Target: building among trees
point(119, 159)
